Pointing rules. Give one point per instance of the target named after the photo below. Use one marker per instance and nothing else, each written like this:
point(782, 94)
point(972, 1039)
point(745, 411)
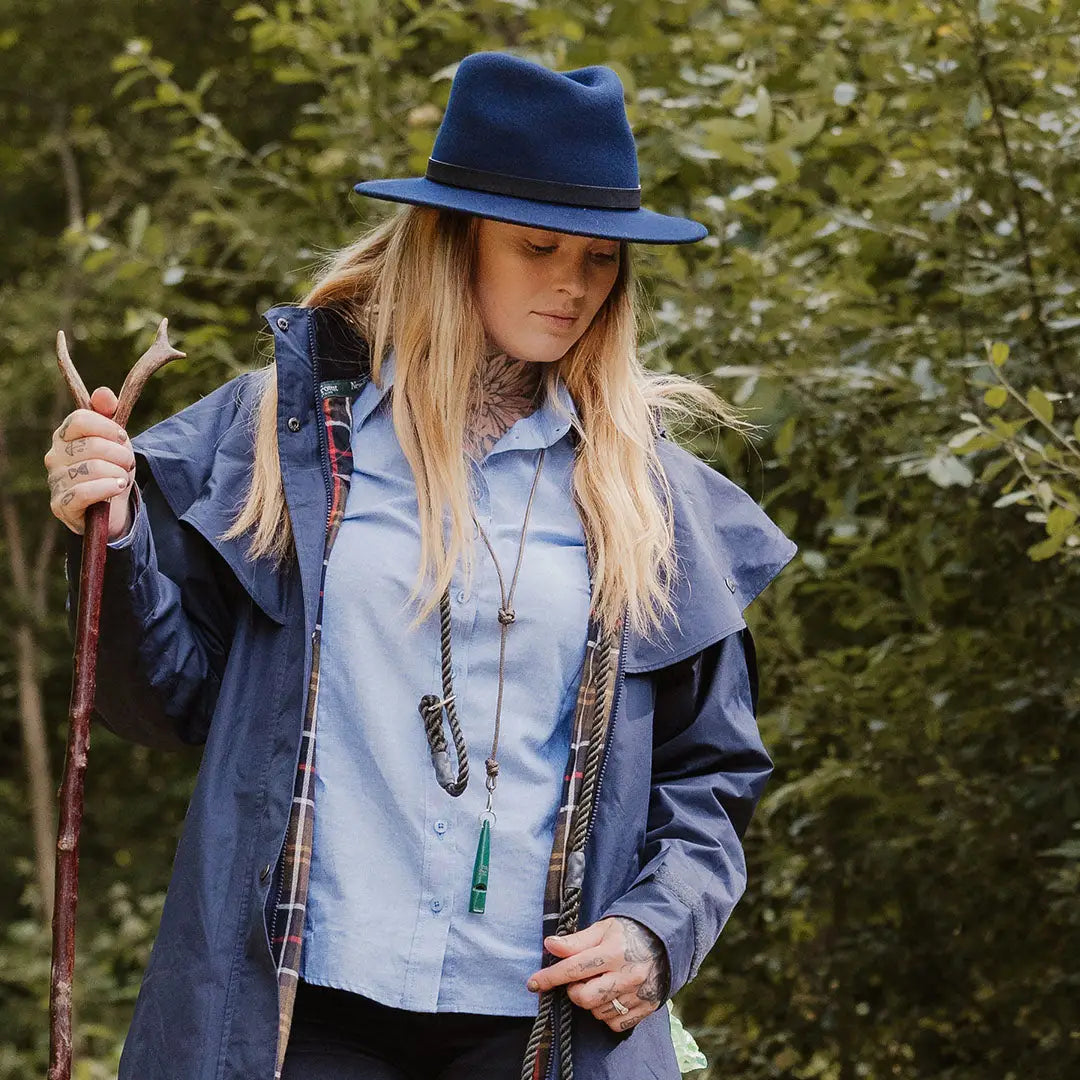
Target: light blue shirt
point(393, 853)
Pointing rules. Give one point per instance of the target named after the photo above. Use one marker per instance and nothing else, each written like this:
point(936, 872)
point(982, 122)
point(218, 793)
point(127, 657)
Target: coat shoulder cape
point(727, 547)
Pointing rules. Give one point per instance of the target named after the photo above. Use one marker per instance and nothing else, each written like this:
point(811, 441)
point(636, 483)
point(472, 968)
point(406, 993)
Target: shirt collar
point(543, 427)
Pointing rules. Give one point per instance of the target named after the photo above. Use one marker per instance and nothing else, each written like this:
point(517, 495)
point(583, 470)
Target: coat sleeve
point(709, 771)
point(165, 630)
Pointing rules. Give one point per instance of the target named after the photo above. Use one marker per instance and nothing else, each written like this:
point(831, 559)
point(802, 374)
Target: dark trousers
point(337, 1035)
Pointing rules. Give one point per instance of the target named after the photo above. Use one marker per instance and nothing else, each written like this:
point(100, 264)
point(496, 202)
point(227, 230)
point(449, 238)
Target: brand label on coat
point(338, 387)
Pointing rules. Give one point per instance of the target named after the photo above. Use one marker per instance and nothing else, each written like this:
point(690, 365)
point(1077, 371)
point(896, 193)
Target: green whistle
point(478, 896)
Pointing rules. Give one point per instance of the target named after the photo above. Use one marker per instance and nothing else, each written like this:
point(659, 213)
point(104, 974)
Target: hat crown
point(514, 117)
point(546, 149)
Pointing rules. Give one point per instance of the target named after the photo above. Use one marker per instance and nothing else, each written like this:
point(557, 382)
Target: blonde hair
point(407, 283)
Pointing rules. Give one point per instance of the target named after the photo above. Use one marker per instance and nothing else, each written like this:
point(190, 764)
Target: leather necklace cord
point(431, 706)
point(431, 710)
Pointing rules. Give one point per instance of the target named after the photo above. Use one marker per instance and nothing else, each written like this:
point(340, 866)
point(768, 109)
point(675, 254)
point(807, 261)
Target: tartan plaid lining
point(588, 725)
point(296, 871)
point(295, 858)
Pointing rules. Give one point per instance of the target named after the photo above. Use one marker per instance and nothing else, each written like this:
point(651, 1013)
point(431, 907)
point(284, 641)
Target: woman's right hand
point(90, 460)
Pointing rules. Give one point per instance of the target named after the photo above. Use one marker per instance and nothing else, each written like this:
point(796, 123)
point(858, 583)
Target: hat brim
point(641, 226)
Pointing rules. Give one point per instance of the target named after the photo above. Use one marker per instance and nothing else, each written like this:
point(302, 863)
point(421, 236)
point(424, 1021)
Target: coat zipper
point(323, 458)
point(324, 453)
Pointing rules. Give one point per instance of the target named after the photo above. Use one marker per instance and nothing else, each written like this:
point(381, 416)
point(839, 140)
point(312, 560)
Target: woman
point(446, 513)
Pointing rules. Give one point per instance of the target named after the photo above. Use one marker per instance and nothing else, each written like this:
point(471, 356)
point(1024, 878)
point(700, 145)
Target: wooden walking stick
point(91, 578)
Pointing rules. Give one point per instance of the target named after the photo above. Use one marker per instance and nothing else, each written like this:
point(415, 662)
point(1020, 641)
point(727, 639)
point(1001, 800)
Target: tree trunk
point(38, 772)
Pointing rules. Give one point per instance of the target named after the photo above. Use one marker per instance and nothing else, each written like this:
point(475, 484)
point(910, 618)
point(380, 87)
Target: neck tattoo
point(508, 391)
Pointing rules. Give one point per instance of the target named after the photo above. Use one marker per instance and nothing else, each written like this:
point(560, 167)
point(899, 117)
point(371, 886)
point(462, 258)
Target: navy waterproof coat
point(201, 644)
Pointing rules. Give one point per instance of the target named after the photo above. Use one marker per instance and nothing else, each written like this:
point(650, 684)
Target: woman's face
point(524, 273)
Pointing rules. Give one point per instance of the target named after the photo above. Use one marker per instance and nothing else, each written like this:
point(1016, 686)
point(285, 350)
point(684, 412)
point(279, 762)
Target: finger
point(568, 944)
point(65, 477)
point(580, 966)
point(104, 401)
point(619, 1022)
point(90, 447)
point(71, 505)
point(83, 422)
point(595, 993)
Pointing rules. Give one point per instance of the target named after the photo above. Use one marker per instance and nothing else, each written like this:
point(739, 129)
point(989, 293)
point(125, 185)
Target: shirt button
point(294, 423)
point(440, 827)
point(461, 596)
point(436, 905)
point(283, 324)
point(264, 874)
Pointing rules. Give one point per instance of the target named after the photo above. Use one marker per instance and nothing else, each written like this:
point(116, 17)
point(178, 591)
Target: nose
point(572, 276)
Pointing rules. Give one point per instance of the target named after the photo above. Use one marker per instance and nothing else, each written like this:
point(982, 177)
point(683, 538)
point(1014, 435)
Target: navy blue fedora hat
point(552, 149)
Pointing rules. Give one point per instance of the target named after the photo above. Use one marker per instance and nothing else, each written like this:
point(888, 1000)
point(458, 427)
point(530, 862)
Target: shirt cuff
point(138, 521)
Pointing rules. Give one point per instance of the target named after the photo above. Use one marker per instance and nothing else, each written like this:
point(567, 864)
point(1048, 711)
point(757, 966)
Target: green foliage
point(1046, 456)
point(889, 187)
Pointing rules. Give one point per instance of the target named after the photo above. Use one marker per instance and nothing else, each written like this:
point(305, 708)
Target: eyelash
point(549, 250)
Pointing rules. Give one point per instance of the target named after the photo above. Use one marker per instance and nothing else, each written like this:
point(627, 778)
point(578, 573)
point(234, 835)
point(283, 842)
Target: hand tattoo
point(644, 947)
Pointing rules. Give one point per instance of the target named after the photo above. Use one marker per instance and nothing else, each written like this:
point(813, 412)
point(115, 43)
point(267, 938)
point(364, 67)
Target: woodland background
point(890, 287)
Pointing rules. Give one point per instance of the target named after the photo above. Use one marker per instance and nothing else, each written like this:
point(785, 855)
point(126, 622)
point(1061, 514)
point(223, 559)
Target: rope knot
point(506, 616)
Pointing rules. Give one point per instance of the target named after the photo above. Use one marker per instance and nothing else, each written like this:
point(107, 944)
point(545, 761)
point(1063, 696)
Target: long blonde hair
point(407, 283)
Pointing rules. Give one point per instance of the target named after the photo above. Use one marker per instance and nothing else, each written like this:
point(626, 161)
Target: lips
point(558, 321)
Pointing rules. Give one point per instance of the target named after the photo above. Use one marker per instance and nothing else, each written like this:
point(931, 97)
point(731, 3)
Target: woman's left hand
point(613, 958)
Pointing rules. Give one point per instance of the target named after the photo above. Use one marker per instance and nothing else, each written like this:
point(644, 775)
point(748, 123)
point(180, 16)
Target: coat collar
point(727, 548)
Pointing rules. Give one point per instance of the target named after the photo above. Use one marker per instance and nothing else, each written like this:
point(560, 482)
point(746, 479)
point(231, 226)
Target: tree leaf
point(1060, 520)
point(1040, 405)
point(1044, 549)
point(137, 222)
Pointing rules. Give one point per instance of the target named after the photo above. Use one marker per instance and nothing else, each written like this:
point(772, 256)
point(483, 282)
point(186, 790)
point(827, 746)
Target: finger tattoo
point(589, 965)
point(76, 470)
point(76, 446)
point(63, 427)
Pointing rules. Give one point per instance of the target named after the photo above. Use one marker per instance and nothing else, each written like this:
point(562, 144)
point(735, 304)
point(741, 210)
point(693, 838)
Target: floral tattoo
point(507, 393)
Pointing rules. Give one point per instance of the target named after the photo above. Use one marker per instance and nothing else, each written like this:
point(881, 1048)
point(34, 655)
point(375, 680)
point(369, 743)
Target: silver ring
point(619, 1007)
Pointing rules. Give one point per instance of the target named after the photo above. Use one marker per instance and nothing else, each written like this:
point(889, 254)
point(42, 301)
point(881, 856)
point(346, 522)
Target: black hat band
point(604, 198)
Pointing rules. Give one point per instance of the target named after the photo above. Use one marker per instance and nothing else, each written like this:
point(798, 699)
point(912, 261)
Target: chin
point(538, 349)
